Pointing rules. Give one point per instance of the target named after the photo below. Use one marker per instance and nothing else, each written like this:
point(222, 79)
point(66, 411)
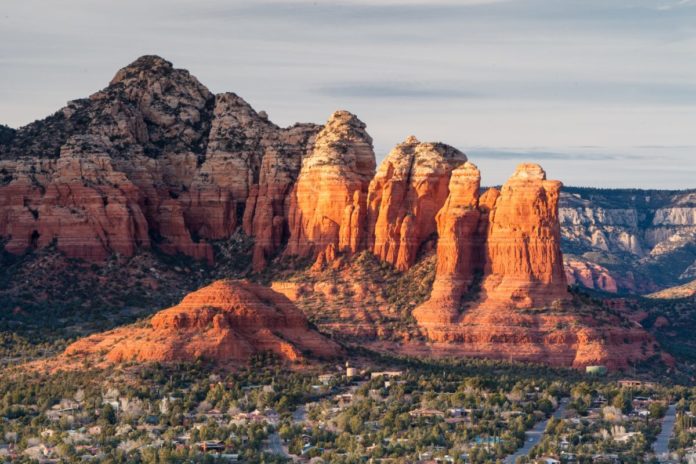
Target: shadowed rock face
point(408, 190)
point(458, 247)
point(154, 158)
point(631, 240)
point(226, 322)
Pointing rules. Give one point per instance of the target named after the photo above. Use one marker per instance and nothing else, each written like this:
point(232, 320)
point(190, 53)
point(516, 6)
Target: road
point(661, 445)
point(533, 436)
point(275, 445)
point(300, 414)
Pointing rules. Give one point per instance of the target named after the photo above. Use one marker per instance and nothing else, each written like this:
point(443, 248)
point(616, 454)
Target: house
point(388, 374)
point(606, 459)
point(547, 460)
point(425, 412)
point(634, 383)
point(211, 446)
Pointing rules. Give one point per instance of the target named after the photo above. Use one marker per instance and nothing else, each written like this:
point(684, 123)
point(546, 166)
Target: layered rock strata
point(524, 263)
point(458, 247)
point(404, 197)
point(153, 159)
point(511, 235)
point(327, 204)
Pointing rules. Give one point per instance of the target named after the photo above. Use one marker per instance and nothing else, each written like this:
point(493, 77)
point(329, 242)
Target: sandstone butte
point(156, 160)
point(327, 203)
point(512, 238)
point(226, 323)
point(406, 193)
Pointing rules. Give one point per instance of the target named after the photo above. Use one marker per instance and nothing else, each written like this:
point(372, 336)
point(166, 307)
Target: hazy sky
point(600, 92)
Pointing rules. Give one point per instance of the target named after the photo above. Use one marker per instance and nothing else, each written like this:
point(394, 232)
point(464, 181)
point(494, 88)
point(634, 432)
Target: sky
point(599, 92)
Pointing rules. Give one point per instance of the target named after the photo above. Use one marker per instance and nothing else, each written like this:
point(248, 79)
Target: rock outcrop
point(153, 159)
point(524, 263)
point(513, 237)
point(226, 323)
point(563, 338)
point(589, 275)
point(458, 248)
point(327, 204)
point(645, 239)
point(406, 193)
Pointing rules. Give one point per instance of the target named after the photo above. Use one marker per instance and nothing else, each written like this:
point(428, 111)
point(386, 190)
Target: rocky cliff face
point(408, 190)
point(629, 240)
point(513, 237)
point(461, 240)
point(327, 204)
point(524, 263)
point(156, 161)
point(153, 159)
point(226, 322)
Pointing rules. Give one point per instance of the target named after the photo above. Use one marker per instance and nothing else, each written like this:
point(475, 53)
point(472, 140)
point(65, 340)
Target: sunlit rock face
point(404, 197)
point(458, 247)
point(524, 263)
point(327, 204)
point(226, 323)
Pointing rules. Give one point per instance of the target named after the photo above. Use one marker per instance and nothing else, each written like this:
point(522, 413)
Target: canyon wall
point(632, 240)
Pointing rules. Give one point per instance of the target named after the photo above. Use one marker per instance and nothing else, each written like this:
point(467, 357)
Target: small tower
point(350, 371)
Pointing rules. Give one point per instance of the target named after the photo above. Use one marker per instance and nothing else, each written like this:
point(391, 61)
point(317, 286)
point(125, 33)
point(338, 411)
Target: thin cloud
point(393, 90)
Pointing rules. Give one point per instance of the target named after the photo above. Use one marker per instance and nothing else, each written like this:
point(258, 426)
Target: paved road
point(299, 414)
point(661, 445)
point(275, 445)
point(533, 436)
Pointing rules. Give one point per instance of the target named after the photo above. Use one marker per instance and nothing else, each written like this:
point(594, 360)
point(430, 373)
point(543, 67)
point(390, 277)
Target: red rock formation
point(458, 240)
point(561, 338)
point(408, 190)
point(78, 201)
point(177, 165)
point(155, 159)
point(327, 204)
point(514, 236)
point(589, 275)
point(524, 261)
point(226, 322)
point(267, 206)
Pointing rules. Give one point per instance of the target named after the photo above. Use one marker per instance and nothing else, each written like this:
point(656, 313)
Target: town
point(475, 412)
